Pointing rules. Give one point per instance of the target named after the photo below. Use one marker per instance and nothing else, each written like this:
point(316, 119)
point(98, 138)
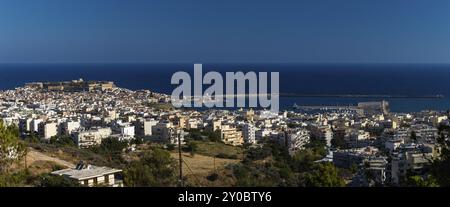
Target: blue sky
point(319, 31)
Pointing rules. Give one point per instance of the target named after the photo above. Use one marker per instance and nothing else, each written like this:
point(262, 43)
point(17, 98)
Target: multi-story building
point(69, 127)
point(127, 131)
point(231, 135)
point(392, 144)
point(262, 133)
point(322, 132)
point(35, 124)
point(297, 139)
point(249, 133)
point(168, 133)
point(436, 120)
point(48, 130)
point(352, 157)
point(376, 166)
point(91, 137)
point(25, 125)
point(144, 127)
point(409, 158)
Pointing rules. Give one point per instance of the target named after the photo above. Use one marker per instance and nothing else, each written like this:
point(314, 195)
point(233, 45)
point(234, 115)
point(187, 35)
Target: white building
point(127, 131)
point(35, 124)
point(89, 175)
point(436, 120)
point(168, 133)
point(297, 140)
point(48, 130)
point(70, 126)
point(148, 125)
point(393, 144)
point(91, 137)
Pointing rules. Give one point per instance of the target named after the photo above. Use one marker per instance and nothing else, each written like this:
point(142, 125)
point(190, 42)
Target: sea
point(420, 81)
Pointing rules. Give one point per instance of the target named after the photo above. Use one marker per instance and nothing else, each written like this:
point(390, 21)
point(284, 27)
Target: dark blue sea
point(314, 79)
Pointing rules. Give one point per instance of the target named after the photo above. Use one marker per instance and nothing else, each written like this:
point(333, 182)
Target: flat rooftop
point(86, 173)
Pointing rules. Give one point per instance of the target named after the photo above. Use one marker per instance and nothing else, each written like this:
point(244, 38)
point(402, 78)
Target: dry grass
point(37, 163)
point(198, 167)
point(217, 148)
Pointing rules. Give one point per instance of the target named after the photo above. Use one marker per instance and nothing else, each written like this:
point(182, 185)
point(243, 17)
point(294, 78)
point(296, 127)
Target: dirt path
point(34, 156)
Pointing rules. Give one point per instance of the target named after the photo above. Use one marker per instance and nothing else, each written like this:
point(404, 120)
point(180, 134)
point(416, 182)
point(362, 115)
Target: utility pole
point(180, 160)
point(214, 160)
point(26, 153)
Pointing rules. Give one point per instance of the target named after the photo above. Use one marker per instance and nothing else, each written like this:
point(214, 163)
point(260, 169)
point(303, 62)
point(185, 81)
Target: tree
point(47, 180)
point(138, 141)
point(419, 181)
point(322, 175)
point(192, 147)
point(111, 148)
point(195, 134)
point(303, 160)
point(64, 140)
point(213, 136)
point(339, 143)
point(16, 179)
point(413, 136)
point(32, 137)
point(155, 168)
point(440, 167)
point(255, 176)
point(258, 153)
point(11, 148)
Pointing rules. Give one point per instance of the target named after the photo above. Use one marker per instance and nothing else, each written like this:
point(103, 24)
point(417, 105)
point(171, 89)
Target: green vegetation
point(111, 148)
point(46, 180)
point(440, 167)
point(32, 137)
point(74, 154)
point(217, 148)
point(413, 136)
point(11, 147)
point(265, 165)
point(294, 125)
point(155, 168)
point(25, 178)
point(62, 141)
point(322, 175)
point(207, 134)
point(271, 165)
point(16, 179)
point(263, 175)
point(419, 181)
point(191, 147)
point(339, 143)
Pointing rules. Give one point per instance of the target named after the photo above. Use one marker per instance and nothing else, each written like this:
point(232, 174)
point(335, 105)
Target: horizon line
point(237, 62)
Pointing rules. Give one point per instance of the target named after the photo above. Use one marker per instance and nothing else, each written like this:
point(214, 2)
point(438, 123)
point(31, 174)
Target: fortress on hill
point(73, 86)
